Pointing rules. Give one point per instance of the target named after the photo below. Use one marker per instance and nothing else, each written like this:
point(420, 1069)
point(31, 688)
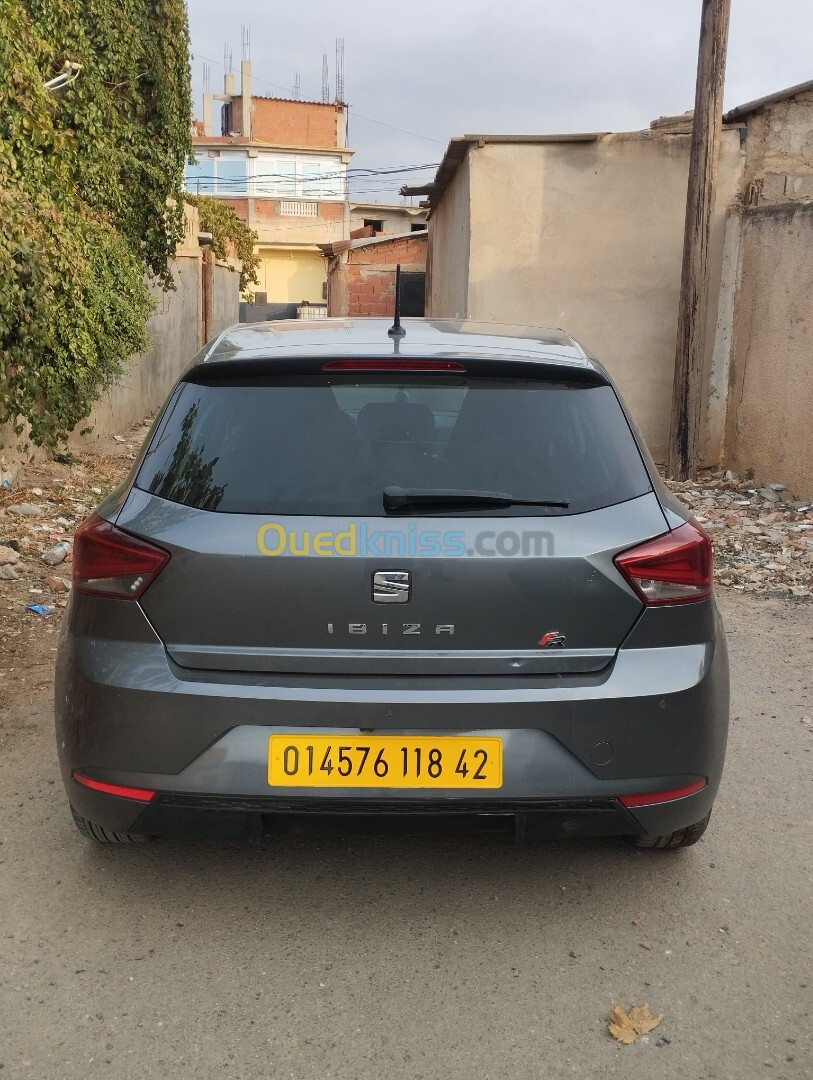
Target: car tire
point(679, 839)
point(91, 831)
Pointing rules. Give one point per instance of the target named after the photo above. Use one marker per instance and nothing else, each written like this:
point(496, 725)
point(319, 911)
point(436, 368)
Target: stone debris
point(58, 584)
point(762, 534)
point(38, 517)
point(26, 509)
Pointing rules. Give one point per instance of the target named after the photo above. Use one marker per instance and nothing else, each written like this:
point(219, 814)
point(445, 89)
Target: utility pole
point(684, 434)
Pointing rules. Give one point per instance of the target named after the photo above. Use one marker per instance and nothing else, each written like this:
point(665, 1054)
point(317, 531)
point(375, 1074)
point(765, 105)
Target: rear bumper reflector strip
point(119, 790)
point(652, 797)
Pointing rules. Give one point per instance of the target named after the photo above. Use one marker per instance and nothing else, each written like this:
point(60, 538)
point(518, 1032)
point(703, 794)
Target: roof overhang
point(741, 112)
point(459, 147)
point(400, 208)
point(242, 142)
point(340, 246)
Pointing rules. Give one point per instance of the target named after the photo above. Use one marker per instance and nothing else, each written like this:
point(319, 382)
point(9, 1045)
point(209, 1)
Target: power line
point(369, 119)
point(358, 174)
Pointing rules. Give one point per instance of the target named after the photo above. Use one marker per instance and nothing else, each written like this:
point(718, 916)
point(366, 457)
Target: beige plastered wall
point(770, 405)
point(587, 236)
point(450, 231)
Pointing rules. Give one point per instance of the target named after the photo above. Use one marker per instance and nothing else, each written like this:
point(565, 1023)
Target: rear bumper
point(178, 815)
point(657, 719)
point(239, 819)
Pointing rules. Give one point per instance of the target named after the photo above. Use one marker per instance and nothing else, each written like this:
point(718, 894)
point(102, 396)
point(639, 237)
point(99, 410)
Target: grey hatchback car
point(359, 573)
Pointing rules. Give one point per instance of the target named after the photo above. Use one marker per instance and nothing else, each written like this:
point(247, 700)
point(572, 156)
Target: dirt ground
point(65, 493)
point(402, 958)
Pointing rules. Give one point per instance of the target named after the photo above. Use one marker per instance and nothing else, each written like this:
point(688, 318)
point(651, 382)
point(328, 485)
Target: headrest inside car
point(395, 421)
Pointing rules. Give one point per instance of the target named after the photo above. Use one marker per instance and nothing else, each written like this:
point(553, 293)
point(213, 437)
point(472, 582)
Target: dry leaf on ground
point(627, 1026)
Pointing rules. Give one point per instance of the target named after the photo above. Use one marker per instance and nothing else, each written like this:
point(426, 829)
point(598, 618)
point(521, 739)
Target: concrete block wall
point(768, 359)
point(779, 153)
point(369, 287)
point(769, 405)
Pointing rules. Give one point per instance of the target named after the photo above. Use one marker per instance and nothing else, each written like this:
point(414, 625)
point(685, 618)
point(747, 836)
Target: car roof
point(294, 338)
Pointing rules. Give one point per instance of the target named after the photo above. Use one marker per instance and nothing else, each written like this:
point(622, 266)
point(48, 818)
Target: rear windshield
point(330, 448)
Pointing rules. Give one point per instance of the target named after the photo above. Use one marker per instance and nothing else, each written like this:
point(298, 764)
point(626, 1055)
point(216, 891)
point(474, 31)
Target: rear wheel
point(678, 839)
point(91, 831)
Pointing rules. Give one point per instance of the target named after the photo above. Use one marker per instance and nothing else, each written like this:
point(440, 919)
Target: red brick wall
point(239, 206)
point(370, 273)
point(295, 123)
point(266, 210)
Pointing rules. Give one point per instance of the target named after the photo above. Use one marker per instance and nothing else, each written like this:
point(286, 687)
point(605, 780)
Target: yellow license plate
point(385, 761)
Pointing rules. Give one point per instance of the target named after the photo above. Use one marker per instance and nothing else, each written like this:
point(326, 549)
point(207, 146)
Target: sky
point(417, 74)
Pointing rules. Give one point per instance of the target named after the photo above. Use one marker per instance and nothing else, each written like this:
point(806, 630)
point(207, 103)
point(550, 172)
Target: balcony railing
point(297, 208)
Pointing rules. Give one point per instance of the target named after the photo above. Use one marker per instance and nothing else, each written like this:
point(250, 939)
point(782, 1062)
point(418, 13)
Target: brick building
point(361, 275)
point(282, 165)
point(386, 218)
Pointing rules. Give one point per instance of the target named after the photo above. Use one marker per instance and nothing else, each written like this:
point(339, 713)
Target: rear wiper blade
point(398, 498)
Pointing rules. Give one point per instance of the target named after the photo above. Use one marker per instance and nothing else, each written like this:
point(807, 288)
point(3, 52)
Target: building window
point(417, 227)
point(231, 170)
point(281, 176)
point(200, 175)
point(275, 176)
point(376, 224)
point(311, 180)
point(298, 178)
point(332, 182)
point(224, 175)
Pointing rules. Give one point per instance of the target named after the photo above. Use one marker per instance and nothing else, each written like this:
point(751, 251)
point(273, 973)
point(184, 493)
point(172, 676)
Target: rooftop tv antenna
point(397, 331)
point(340, 69)
point(325, 80)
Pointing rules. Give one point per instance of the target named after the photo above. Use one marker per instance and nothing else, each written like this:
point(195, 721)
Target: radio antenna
point(396, 330)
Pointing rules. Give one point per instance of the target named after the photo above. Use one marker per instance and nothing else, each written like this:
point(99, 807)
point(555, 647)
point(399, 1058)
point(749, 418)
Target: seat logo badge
point(552, 640)
point(391, 586)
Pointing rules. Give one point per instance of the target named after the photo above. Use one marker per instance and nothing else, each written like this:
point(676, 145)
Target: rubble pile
point(762, 534)
point(39, 513)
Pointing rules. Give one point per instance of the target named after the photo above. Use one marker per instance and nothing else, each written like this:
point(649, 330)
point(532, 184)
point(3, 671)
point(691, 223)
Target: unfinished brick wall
point(264, 210)
point(296, 123)
point(364, 284)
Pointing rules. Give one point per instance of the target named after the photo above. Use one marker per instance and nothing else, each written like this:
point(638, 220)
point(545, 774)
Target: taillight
point(672, 569)
point(110, 562)
point(401, 364)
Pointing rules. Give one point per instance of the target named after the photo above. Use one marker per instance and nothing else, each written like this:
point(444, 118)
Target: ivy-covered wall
point(90, 195)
